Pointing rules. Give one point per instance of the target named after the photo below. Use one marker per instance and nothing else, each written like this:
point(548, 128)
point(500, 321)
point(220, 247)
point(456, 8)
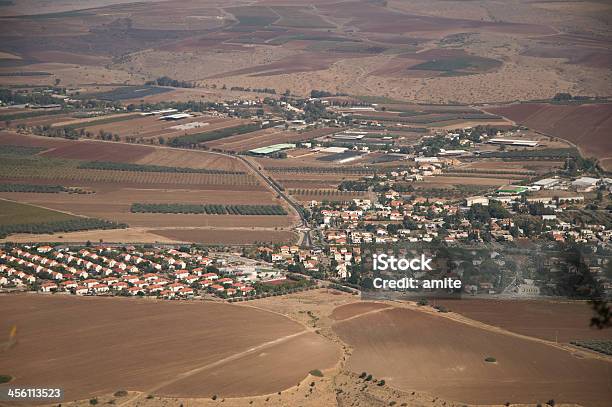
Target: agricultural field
point(524, 371)
point(584, 125)
point(260, 138)
point(231, 337)
point(16, 217)
point(556, 321)
point(117, 176)
point(14, 212)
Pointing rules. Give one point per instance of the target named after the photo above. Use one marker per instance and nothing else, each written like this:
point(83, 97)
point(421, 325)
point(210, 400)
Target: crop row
point(62, 173)
point(60, 226)
point(209, 209)
point(601, 346)
point(329, 170)
point(193, 139)
point(107, 165)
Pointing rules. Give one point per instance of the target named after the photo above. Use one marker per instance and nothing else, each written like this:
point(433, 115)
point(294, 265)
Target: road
point(305, 240)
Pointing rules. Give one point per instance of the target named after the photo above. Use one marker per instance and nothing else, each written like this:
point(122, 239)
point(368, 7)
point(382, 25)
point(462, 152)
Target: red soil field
point(350, 310)
point(109, 344)
point(261, 372)
point(414, 350)
point(587, 125)
point(14, 139)
point(99, 151)
point(371, 17)
point(560, 321)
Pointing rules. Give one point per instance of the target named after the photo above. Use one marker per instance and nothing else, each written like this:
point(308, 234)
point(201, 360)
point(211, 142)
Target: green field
point(459, 65)
point(13, 213)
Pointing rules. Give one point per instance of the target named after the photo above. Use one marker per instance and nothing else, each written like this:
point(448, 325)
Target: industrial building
point(513, 142)
point(275, 148)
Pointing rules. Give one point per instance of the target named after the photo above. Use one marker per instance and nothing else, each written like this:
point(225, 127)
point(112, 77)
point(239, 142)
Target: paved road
point(305, 240)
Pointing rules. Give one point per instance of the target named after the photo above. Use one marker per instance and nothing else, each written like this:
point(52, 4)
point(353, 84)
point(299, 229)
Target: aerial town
point(364, 203)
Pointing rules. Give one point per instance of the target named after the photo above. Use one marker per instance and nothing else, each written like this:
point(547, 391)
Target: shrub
point(120, 393)
point(441, 308)
point(368, 378)
point(490, 359)
point(551, 402)
point(5, 378)
point(214, 397)
point(363, 375)
point(422, 302)
point(93, 401)
point(382, 382)
point(316, 373)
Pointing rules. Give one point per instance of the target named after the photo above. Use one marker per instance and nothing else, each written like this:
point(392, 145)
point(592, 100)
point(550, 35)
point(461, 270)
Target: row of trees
point(167, 81)
point(271, 91)
point(194, 139)
point(114, 166)
point(60, 226)
point(48, 189)
point(209, 209)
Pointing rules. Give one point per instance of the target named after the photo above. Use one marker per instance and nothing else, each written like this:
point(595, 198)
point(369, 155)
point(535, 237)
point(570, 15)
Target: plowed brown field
point(160, 347)
point(413, 350)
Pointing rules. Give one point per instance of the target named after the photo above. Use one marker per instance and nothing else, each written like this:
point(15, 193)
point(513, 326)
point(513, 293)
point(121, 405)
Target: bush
point(368, 378)
point(120, 393)
point(441, 308)
point(363, 375)
point(381, 383)
point(551, 402)
point(316, 373)
point(214, 397)
point(490, 359)
point(5, 378)
point(422, 302)
point(93, 401)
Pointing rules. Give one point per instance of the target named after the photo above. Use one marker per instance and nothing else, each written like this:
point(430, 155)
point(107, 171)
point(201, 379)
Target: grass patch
point(253, 16)
point(28, 115)
point(12, 213)
point(127, 92)
point(100, 120)
point(379, 99)
point(460, 65)
point(22, 218)
point(20, 150)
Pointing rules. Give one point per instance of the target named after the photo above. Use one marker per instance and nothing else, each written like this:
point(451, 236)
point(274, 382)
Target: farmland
point(534, 318)
point(128, 324)
point(13, 212)
point(117, 176)
point(585, 125)
point(392, 342)
point(22, 218)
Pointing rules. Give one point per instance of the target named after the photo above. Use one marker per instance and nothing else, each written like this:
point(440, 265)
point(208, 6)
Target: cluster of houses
point(163, 273)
